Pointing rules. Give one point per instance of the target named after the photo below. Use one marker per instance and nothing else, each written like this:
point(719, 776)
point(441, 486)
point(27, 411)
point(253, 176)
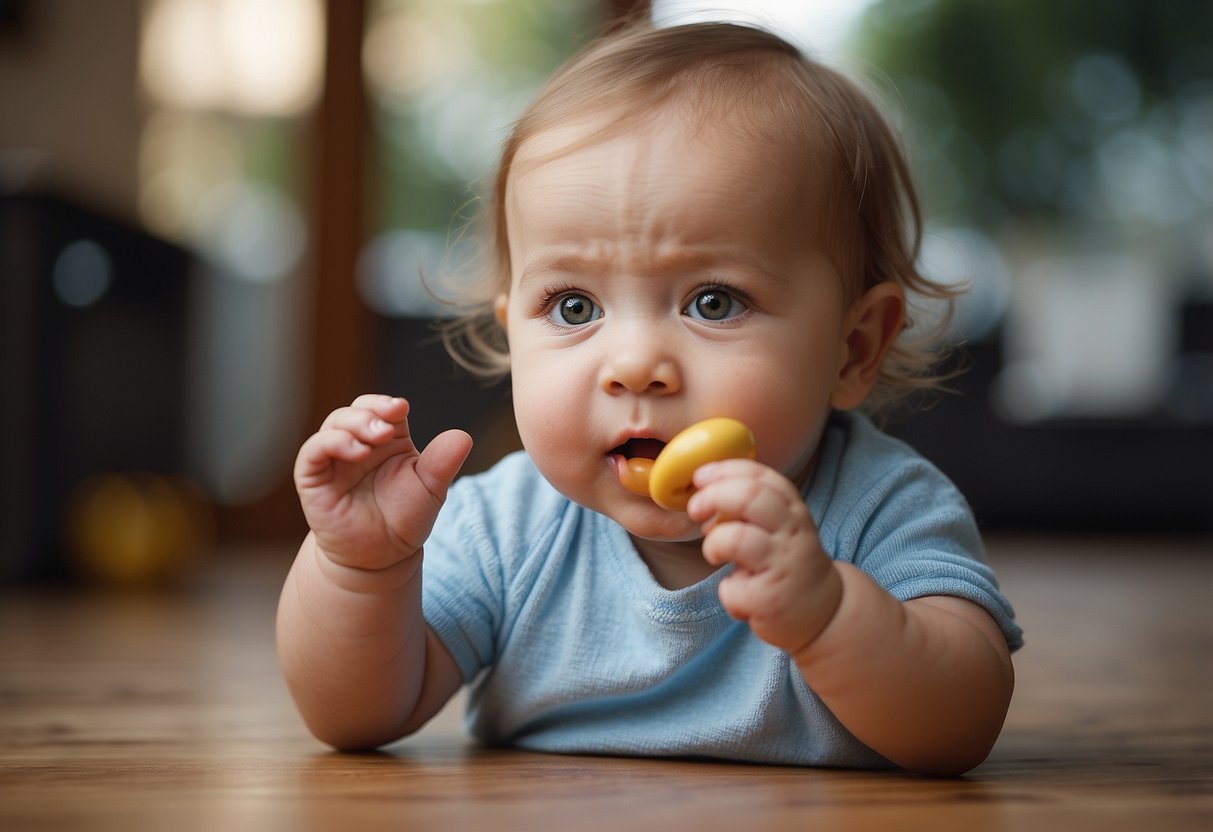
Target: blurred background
point(217, 218)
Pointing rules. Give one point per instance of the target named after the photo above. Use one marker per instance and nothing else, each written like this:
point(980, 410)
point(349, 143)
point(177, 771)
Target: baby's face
point(660, 278)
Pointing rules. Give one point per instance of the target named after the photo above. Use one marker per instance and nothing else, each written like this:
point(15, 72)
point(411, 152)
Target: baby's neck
point(674, 565)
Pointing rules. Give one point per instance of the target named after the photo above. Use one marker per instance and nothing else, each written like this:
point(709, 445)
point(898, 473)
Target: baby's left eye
point(714, 305)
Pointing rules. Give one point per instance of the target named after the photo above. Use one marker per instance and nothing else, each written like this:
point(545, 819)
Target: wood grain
point(166, 711)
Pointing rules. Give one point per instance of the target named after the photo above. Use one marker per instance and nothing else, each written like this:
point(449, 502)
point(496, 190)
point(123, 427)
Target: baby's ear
point(501, 307)
point(872, 325)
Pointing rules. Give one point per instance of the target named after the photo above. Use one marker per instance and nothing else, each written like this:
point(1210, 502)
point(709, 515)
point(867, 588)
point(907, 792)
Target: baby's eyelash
point(727, 286)
point(549, 295)
point(724, 285)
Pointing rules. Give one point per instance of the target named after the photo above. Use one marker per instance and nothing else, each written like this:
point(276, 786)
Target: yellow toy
point(667, 479)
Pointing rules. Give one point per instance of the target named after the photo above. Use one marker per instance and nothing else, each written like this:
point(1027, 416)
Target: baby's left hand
point(783, 583)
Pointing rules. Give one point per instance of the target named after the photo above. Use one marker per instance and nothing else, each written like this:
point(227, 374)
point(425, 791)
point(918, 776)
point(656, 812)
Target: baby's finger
point(757, 500)
point(442, 459)
point(366, 425)
point(389, 408)
point(743, 544)
point(736, 593)
point(314, 464)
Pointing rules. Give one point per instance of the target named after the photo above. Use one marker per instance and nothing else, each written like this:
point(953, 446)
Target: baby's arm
point(925, 683)
point(360, 663)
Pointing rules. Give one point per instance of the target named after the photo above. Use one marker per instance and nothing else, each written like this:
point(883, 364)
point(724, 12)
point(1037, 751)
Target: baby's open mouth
point(637, 460)
point(639, 448)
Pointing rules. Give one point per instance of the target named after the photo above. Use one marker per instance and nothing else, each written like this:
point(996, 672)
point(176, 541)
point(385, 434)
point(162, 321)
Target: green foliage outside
point(1079, 113)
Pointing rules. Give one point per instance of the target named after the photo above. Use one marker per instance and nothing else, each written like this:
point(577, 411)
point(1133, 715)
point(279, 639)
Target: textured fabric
point(572, 646)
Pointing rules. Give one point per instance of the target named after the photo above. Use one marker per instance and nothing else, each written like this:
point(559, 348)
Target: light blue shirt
point(572, 646)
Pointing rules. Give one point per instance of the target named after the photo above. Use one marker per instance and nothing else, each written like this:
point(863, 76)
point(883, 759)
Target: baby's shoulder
point(510, 500)
point(858, 456)
point(513, 480)
point(868, 480)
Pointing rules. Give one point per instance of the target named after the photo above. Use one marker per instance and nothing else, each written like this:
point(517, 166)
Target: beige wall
point(69, 99)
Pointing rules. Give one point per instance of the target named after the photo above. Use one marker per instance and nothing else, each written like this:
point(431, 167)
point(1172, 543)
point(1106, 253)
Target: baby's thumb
point(442, 459)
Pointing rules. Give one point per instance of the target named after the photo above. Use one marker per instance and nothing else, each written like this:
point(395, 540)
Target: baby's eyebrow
point(545, 267)
point(579, 263)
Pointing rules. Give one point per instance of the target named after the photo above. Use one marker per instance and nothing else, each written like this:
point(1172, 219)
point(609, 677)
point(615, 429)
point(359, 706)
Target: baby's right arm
point(360, 662)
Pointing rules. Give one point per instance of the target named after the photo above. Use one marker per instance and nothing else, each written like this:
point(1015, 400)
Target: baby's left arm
point(925, 683)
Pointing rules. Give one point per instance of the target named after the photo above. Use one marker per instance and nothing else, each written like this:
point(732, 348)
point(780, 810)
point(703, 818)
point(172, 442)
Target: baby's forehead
point(741, 132)
point(669, 185)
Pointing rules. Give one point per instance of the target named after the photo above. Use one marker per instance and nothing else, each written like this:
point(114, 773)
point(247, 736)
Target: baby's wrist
point(866, 618)
point(831, 588)
point(368, 580)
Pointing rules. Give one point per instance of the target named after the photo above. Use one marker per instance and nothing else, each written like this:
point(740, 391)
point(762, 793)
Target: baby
point(688, 223)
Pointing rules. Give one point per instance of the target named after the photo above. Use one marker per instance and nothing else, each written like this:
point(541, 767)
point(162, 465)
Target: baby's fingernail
point(379, 426)
point(704, 472)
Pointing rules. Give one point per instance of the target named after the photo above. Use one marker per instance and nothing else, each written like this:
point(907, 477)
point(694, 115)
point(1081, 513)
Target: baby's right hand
point(369, 496)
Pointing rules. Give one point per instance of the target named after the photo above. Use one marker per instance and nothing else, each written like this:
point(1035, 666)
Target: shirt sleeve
point(486, 543)
point(462, 587)
point(909, 527)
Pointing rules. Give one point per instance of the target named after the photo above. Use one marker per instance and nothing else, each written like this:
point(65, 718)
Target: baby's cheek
point(546, 424)
point(560, 447)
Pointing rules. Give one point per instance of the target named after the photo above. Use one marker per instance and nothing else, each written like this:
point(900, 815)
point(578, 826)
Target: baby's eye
point(574, 310)
point(713, 305)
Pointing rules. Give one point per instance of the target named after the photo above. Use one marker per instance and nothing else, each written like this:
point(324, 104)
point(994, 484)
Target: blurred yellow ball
point(136, 529)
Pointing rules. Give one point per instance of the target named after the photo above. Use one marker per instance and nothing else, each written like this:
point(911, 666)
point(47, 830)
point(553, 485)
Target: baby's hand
point(783, 583)
point(369, 496)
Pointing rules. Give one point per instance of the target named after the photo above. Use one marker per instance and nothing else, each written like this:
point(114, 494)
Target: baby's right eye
point(574, 309)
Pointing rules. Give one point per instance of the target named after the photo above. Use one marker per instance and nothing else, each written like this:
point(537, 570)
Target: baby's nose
point(640, 366)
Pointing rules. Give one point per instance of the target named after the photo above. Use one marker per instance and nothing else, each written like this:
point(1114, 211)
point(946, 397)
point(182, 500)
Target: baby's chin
point(639, 516)
point(658, 525)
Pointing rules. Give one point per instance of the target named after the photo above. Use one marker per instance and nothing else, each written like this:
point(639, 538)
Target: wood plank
point(166, 711)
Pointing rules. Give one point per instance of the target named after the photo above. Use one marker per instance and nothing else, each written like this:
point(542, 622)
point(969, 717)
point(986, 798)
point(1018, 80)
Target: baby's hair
point(761, 85)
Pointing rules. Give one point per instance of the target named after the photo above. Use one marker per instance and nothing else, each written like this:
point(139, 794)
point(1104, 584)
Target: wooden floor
point(166, 712)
